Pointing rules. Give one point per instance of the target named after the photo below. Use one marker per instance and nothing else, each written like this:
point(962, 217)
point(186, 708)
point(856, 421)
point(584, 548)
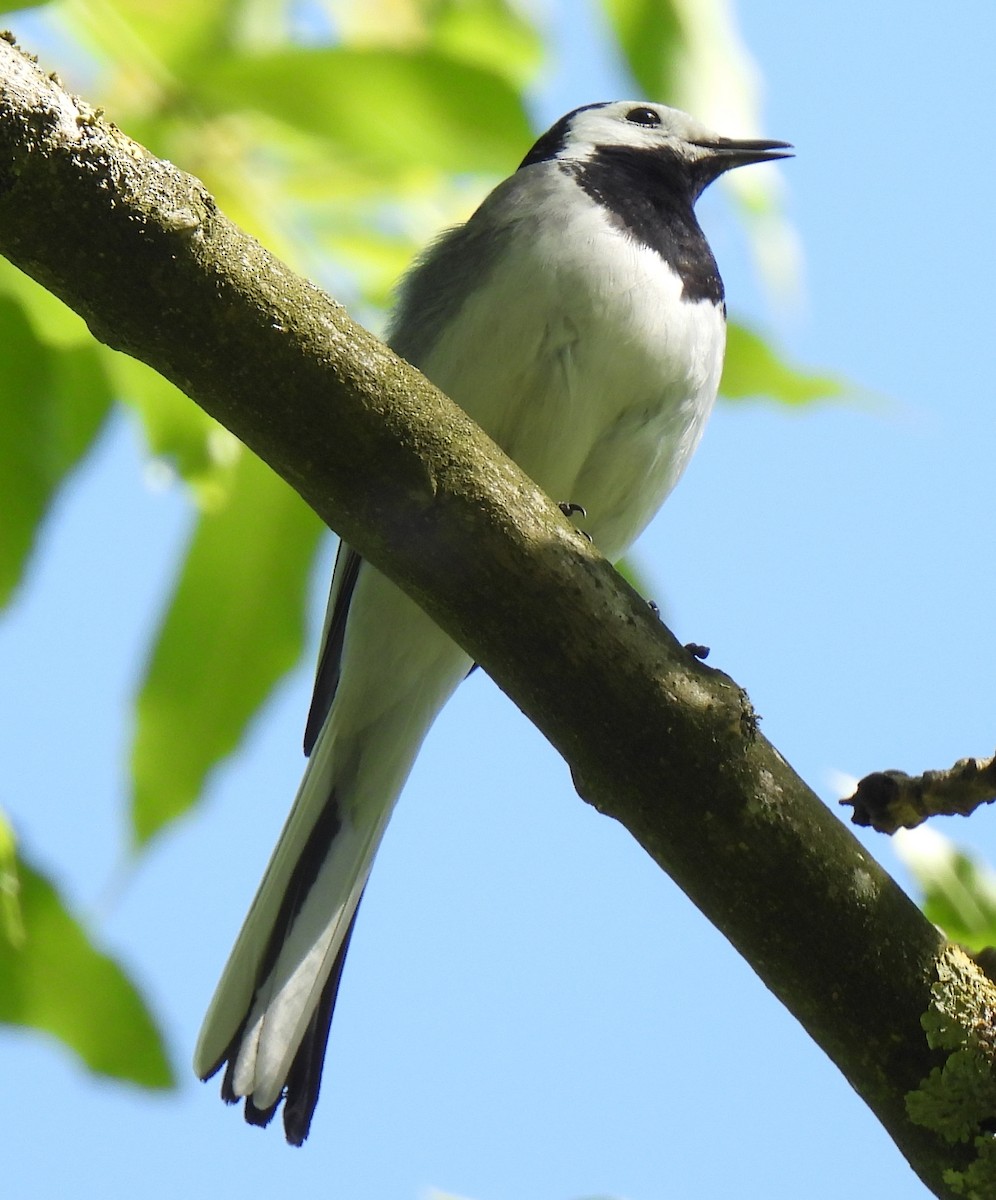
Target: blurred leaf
point(234, 626)
point(634, 575)
point(650, 37)
point(753, 368)
point(381, 22)
point(54, 979)
point(11, 919)
point(53, 322)
point(398, 108)
point(491, 33)
point(52, 405)
point(203, 452)
point(690, 54)
point(145, 44)
point(16, 5)
point(959, 892)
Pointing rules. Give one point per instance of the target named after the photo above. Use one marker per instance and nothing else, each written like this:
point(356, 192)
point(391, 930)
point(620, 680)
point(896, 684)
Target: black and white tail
point(385, 671)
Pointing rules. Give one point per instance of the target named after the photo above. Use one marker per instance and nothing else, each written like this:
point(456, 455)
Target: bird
point(578, 316)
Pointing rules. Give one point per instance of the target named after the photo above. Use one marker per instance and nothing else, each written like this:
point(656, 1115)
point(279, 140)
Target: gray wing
point(457, 263)
point(429, 296)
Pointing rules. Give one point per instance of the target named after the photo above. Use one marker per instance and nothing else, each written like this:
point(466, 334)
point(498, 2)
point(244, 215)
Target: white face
point(634, 123)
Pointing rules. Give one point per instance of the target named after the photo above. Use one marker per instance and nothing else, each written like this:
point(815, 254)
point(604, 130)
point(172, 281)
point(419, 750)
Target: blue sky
point(531, 1009)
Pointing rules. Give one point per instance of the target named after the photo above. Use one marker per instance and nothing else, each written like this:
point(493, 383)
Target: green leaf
point(753, 368)
point(53, 978)
point(959, 892)
point(234, 626)
point(53, 402)
point(650, 35)
point(11, 919)
point(491, 33)
point(395, 108)
point(690, 54)
point(636, 577)
point(17, 5)
point(134, 35)
point(202, 451)
point(53, 322)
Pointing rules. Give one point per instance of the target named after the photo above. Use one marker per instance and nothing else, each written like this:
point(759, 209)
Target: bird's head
point(631, 127)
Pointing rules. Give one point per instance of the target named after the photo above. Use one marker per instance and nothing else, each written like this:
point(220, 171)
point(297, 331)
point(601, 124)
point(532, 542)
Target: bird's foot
point(570, 509)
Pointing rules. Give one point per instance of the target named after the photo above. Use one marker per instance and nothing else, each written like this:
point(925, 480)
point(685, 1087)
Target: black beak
point(726, 153)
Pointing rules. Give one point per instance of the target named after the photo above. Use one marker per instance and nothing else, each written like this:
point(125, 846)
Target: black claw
point(697, 651)
point(569, 509)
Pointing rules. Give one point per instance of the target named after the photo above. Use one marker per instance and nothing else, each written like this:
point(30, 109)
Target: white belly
point(580, 358)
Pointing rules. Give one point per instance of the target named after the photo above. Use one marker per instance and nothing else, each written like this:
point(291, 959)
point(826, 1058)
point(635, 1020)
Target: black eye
point(643, 116)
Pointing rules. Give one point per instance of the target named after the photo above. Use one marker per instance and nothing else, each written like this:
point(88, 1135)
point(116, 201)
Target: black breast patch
point(650, 195)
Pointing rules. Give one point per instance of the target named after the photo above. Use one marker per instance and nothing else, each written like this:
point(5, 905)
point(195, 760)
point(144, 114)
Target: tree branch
point(654, 738)
point(891, 800)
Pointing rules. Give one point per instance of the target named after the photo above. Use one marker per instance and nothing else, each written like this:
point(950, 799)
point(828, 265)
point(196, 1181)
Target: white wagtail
point(578, 317)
